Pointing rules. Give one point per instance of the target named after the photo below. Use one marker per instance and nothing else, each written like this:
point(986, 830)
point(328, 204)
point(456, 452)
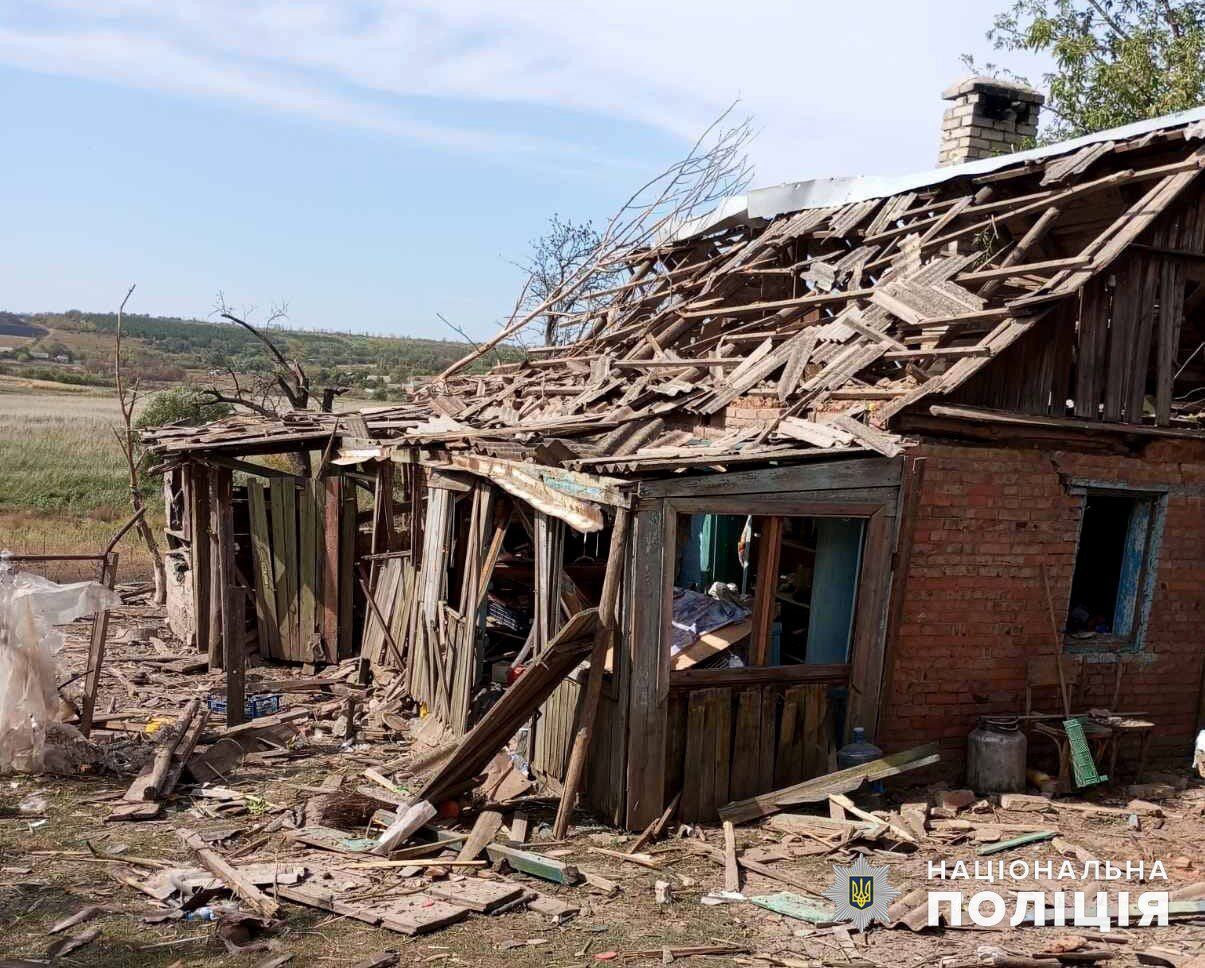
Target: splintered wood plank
point(283, 492)
point(745, 746)
point(265, 584)
point(789, 757)
point(817, 732)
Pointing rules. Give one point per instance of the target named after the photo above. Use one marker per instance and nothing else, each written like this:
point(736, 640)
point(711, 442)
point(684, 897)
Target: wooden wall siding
point(295, 590)
point(439, 646)
point(735, 742)
point(553, 730)
point(1113, 349)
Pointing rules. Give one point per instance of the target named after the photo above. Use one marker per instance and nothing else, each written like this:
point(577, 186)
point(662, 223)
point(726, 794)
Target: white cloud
point(834, 87)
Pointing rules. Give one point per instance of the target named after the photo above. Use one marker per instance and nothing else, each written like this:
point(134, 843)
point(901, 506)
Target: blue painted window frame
point(1140, 568)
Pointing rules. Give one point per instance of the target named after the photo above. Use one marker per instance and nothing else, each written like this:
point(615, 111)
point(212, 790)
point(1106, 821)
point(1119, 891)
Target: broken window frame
point(1144, 586)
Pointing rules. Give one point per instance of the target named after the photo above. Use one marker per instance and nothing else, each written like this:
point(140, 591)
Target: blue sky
point(375, 163)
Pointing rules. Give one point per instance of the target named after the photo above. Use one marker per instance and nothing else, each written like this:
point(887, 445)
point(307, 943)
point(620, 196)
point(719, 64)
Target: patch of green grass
point(63, 481)
point(58, 453)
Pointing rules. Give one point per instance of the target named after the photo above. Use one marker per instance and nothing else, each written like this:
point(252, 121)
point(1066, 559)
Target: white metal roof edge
point(765, 203)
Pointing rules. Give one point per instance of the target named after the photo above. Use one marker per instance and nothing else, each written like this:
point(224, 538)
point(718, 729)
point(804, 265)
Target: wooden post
point(232, 603)
point(769, 547)
point(1058, 644)
point(214, 580)
point(96, 647)
point(604, 639)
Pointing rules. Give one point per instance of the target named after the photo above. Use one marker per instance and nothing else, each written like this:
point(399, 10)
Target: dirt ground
point(47, 870)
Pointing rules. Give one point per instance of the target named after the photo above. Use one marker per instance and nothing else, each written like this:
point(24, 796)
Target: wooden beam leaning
point(96, 648)
point(604, 639)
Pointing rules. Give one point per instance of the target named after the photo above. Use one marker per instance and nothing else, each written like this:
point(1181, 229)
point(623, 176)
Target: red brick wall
point(975, 609)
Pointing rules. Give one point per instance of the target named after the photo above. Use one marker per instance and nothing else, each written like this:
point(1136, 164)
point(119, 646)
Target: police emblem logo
point(861, 893)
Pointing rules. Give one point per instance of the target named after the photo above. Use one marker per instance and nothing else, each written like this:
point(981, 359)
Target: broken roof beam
point(575, 484)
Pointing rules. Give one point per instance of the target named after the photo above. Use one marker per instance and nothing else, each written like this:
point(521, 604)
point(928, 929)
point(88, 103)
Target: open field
point(63, 484)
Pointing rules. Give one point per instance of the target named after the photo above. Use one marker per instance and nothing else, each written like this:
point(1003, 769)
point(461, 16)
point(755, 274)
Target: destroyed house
point(829, 446)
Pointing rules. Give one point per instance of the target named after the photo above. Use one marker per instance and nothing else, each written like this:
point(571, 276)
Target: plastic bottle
point(201, 914)
point(859, 750)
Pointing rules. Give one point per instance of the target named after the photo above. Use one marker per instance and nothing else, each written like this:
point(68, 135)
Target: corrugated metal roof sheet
point(765, 203)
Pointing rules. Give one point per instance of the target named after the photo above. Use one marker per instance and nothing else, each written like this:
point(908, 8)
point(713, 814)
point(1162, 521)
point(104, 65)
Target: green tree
point(1116, 61)
point(180, 405)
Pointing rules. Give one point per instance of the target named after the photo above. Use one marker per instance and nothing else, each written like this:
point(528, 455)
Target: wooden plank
point(769, 546)
point(832, 475)
point(819, 789)
point(214, 645)
point(788, 761)
point(347, 556)
point(309, 513)
point(744, 775)
point(265, 586)
point(213, 862)
point(413, 914)
point(329, 570)
point(201, 566)
point(485, 828)
point(696, 738)
point(720, 717)
point(817, 740)
point(1171, 317)
point(234, 644)
point(869, 634)
point(732, 872)
point(476, 894)
point(751, 676)
point(547, 868)
point(648, 659)
point(768, 739)
point(283, 493)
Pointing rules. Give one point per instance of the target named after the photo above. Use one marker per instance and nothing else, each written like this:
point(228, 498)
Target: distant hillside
point(167, 349)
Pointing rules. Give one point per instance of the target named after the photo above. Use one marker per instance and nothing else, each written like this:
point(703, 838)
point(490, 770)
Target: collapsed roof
point(821, 321)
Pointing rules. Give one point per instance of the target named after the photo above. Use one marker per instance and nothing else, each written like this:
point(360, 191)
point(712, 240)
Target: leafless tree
point(556, 256)
point(285, 387)
point(716, 167)
point(127, 439)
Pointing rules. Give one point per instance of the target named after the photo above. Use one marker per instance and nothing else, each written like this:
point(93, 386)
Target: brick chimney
point(987, 116)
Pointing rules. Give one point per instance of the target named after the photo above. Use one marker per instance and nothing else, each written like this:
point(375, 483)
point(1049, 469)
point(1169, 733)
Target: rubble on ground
point(246, 840)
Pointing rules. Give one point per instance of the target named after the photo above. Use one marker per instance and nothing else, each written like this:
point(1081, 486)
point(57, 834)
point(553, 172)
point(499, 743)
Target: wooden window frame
point(1144, 592)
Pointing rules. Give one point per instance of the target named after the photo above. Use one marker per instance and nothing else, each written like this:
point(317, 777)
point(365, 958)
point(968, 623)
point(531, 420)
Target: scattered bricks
point(956, 799)
point(1024, 803)
point(1144, 808)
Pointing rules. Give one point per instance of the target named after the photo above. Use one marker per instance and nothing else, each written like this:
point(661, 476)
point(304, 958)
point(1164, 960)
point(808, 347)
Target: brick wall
point(975, 609)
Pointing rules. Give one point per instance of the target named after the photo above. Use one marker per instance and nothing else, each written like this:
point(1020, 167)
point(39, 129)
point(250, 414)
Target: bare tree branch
point(715, 167)
point(127, 440)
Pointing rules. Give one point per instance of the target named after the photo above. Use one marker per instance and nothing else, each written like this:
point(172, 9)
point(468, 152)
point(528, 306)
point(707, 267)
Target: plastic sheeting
point(30, 607)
